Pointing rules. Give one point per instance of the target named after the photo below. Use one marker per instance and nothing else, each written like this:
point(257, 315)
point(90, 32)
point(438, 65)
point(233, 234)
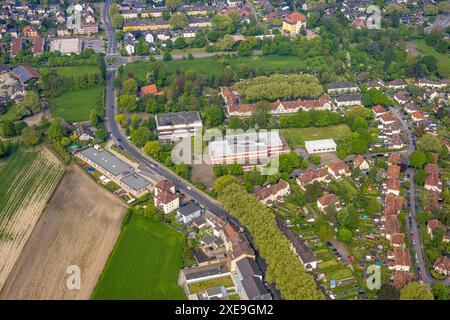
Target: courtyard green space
point(74, 106)
point(296, 137)
point(216, 282)
point(144, 263)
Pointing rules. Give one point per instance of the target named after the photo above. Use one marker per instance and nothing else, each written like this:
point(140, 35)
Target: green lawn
point(9, 115)
point(144, 263)
point(443, 59)
point(296, 136)
point(213, 65)
point(70, 71)
point(76, 105)
point(201, 286)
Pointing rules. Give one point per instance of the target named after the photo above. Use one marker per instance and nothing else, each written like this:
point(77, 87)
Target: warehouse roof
point(107, 161)
point(324, 143)
point(135, 181)
point(178, 118)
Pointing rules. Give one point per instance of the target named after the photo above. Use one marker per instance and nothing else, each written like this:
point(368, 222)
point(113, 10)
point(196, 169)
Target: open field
point(296, 136)
point(144, 263)
point(79, 227)
point(213, 65)
point(442, 58)
point(27, 181)
point(70, 71)
point(9, 115)
point(76, 105)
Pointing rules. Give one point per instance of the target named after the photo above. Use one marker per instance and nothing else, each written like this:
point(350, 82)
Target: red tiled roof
point(164, 185)
point(294, 17)
point(327, 198)
point(400, 279)
point(394, 158)
point(392, 225)
point(393, 172)
point(387, 117)
point(393, 204)
point(442, 262)
point(151, 89)
point(397, 238)
point(166, 197)
point(378, 109)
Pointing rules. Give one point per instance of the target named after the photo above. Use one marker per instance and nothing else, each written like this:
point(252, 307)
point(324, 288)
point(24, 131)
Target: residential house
point(378, 110)
point(167, 201)
point(339, 169)
point(342, 87)
point(442, 265)
point(400, 279)
point(417, 116)
point(391, 226)
point(392, 206)
point(324, 201)
point(350, 99)
point(394, 159)
point(25, 73)
point(394, 142)
point(396, 84)
point(433, 225)
point(387, 118)
point(84, 133)
point(298, 246)
point(311, 176)
point(397, 240)
point(400, 260)
point(393, 172)
point(361, 163)
point(401, 97)
point(410, 107)
point(272, 193)
point(38, 46)
point(392, 186)
point(151, 89)
point(189, 212)
point(164, 185)
point(293, 23)
point(377, 84)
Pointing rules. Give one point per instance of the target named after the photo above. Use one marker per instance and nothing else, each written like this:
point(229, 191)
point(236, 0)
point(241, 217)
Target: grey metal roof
point(349, 97)
point(107, 161)
point(189, 209)
point(178, 118)
point(248, 267)
point(255, 289)
point(135, 181)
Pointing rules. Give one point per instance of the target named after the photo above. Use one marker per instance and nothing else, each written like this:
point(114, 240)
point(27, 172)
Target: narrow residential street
point(414, 204)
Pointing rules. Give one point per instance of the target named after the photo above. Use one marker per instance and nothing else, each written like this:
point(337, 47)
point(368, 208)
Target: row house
point(342, 87)
point(235, 108)
point(432, 181)
point(401, 97)
point(324, 201)
point(350, 99)
point(399, 260)
point(442, 265)
point(410, 107)
point(273, 193)
point(339, 169)
point(376, 84)
point(430, 84)
point(378, 111)
point(312, 175)
point(165, 197)
point(361, 163)
point(396, 84)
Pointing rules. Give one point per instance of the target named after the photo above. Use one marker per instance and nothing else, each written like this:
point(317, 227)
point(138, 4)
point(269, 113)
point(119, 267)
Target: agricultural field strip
point(24, 198)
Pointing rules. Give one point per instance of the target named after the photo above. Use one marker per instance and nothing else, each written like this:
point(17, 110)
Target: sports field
point(296, 137)
point(144, 263)
point(214, 65)
point(75, 106)
point(27, 180)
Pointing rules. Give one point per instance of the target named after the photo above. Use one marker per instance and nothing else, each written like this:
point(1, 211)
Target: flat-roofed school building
point(115, 169)
point(320, 146)
point(176, 125)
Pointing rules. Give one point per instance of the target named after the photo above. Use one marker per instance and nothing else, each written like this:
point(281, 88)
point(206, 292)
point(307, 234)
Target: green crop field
point(27, 181)
point(70, 71)
point(442, 58)
point(144, 263)
point(296, 137)
point(75, 106)
point(213, 65)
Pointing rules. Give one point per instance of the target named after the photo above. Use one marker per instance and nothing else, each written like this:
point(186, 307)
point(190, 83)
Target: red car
point(411, 235)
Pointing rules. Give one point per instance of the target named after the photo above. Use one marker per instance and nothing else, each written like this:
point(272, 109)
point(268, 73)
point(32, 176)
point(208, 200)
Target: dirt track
point(79, 227)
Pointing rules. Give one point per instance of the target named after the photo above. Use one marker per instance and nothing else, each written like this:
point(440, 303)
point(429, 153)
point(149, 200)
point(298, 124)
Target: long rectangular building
point(246, 147)
point(115, 169)
point(176, 125)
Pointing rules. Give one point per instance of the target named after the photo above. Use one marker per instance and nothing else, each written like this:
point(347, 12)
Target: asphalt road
point(413, 200)
point(146, 163)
